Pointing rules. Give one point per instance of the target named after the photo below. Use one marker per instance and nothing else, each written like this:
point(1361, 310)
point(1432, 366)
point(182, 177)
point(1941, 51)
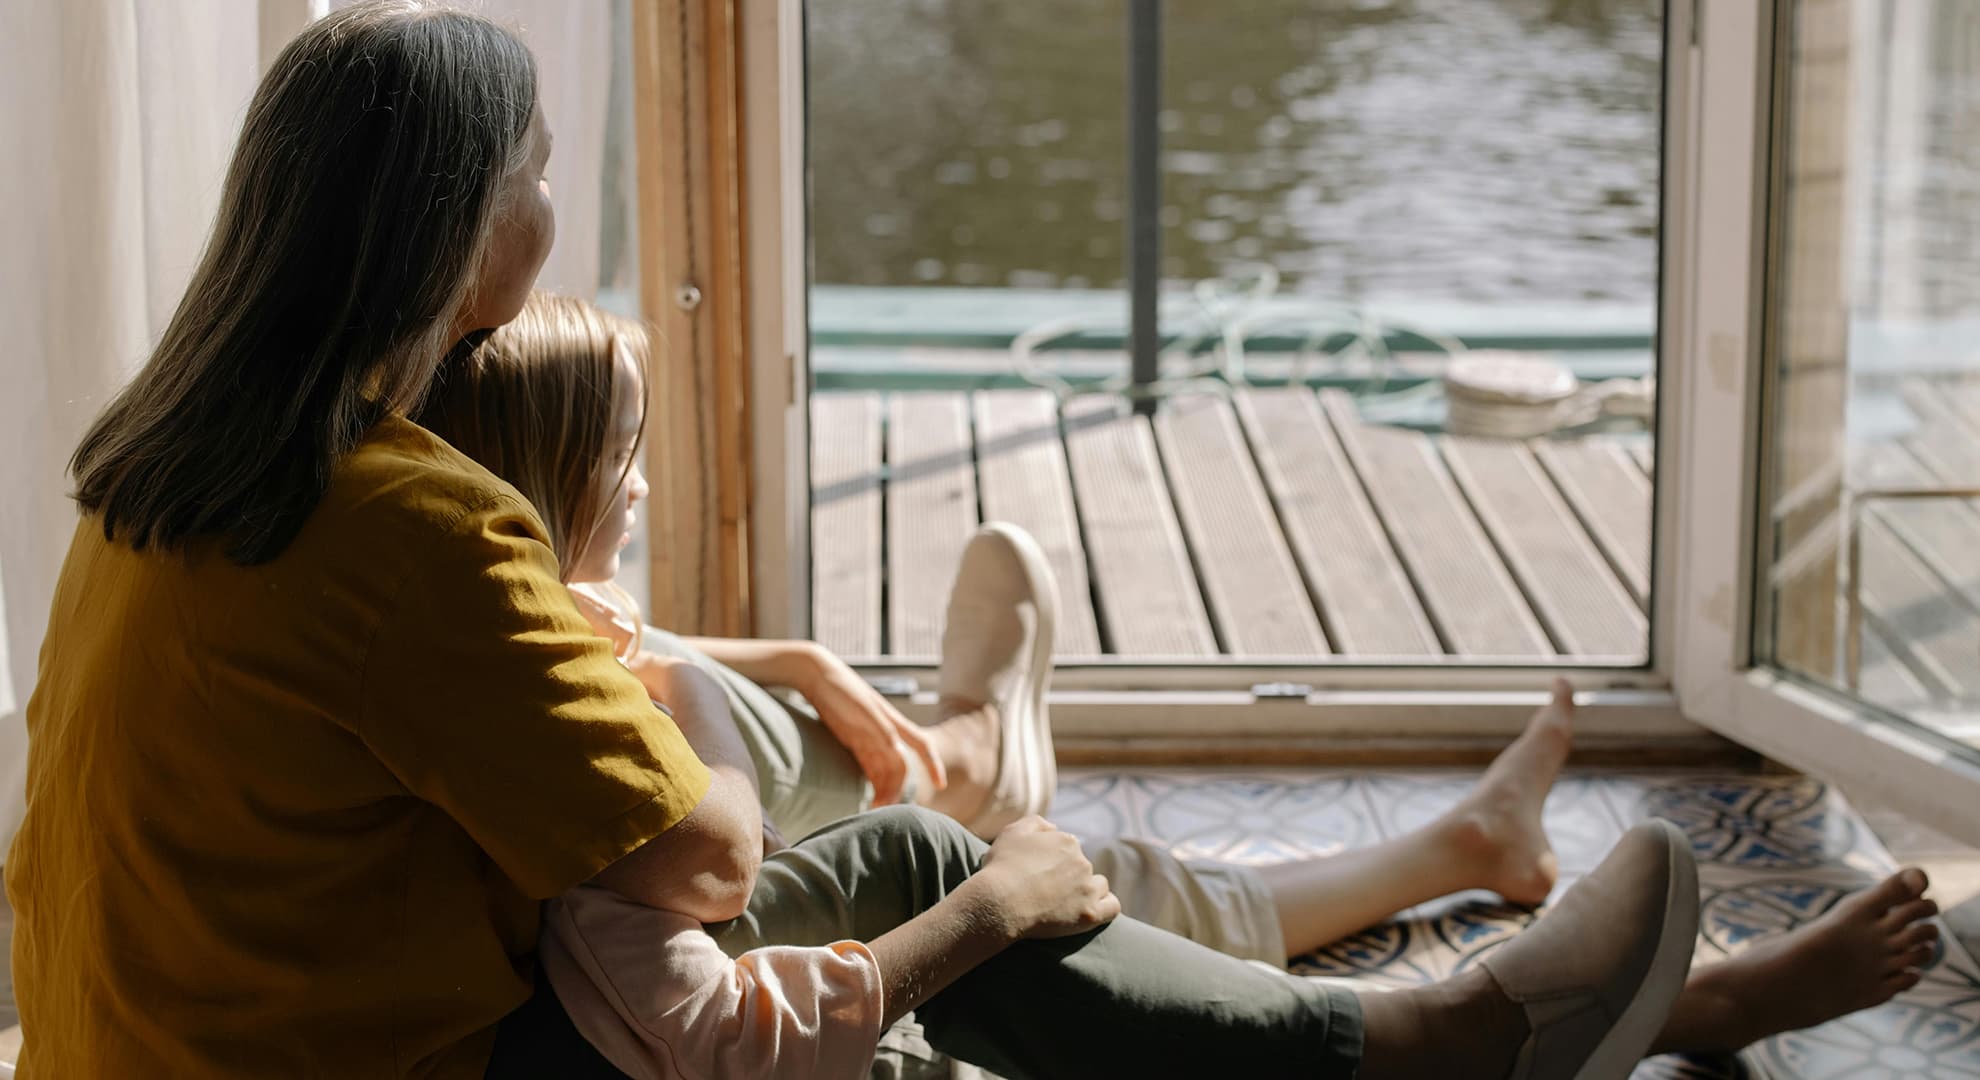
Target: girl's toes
point(1917, 957)
point(1915, 935)
point(1910, 913)
point(1902, 981)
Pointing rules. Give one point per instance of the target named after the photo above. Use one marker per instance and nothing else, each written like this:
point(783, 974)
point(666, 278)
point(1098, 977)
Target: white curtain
point(120, 119)
point(115, 137)
point(573, 43)
point(572, 40)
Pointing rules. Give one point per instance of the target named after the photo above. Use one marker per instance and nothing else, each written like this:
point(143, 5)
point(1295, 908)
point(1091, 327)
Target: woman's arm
point(719, 844)
point(1034, 883)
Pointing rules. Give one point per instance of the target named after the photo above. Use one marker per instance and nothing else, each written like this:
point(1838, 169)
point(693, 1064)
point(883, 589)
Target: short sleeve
point(488, 695)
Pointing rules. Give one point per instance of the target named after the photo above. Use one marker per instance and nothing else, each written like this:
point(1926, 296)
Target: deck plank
point(1886, 680)
point(1945, 440)
point(1933, 629)
point(1645, 456)
point(1610, 493)
point(1964, 395)
point(1566, 579)
point(1366, 602)
point(931, 512)
point(1144, 581)
point(1468, 591)
point(1944, 533)
point(845, 523)
point(1253, 588)
point(1022, 474)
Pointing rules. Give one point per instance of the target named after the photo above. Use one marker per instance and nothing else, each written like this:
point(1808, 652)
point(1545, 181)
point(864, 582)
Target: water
point(1483, 150)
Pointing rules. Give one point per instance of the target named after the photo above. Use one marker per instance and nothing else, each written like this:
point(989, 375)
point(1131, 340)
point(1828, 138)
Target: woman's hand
point(866, 723)
point(1042, 884)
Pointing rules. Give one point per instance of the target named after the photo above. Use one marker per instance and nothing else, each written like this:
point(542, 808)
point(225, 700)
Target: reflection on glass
point(1444, 149)
point(1874, 584)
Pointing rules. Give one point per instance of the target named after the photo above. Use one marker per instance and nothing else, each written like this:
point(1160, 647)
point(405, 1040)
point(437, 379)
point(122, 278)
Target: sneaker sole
point(1617, 1055)
point(1034, 730)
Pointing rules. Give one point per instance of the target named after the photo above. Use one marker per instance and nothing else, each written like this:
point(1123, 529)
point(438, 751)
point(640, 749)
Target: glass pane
point(618, 250)
point(1873, 583)
point(1409, 280)
point(1442, 217)
point(968, 182)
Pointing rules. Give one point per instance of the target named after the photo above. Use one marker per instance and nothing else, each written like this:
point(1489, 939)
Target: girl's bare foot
point(1498, 827)
point(1862, 952)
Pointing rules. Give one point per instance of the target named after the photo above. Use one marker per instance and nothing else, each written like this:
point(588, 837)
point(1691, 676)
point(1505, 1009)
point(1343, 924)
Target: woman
point(554, 403)
point(316, 726)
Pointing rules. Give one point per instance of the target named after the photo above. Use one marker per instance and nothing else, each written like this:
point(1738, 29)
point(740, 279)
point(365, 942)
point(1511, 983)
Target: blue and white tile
point(1776, 853)
point(1760, 823)
point(1093, 804)
point(1254, 817)
point(1918, 1035)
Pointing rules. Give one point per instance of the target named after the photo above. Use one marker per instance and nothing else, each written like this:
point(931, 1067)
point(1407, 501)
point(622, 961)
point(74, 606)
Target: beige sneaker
point(1598, 973)
point(997, 648)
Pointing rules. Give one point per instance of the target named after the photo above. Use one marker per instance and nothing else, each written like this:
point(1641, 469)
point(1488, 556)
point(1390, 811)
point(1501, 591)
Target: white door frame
point(1709, 509)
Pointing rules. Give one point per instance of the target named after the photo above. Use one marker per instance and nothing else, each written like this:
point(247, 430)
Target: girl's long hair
point(534, 402)
point(357, 209)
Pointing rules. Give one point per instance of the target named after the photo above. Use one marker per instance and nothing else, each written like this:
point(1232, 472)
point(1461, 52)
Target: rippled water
point(1448, 149)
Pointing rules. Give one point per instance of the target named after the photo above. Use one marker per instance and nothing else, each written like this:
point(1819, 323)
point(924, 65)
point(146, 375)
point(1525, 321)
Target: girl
point(554, 403)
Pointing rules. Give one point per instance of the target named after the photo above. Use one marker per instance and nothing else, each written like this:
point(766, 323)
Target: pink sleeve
point(655, 994)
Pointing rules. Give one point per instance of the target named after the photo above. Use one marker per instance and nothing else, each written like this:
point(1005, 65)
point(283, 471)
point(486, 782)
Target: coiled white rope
point(1489, 393)
point(1505, 395)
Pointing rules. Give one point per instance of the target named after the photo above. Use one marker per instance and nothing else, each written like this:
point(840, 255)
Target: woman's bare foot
point(1862, 952)
point(1498, 827)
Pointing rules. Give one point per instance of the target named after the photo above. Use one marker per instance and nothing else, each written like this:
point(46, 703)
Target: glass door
point(1834, 331)
point(1873, 588)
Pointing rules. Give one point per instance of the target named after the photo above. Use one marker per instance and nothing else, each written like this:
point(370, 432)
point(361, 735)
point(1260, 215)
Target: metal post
point(1144, 221)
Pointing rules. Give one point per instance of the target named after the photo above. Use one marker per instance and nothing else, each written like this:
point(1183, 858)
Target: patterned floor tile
point(1761, 823)
point(1918, 1035)
point(1093, 805)
point(1775, 853)
point(1254, 817)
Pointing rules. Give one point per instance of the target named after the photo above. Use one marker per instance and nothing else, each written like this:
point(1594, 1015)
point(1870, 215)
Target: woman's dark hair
point(369, 175)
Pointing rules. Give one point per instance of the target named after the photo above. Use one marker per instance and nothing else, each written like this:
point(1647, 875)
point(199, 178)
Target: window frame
point(1698, 685)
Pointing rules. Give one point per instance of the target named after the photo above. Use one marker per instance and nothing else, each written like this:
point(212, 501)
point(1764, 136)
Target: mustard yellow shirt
point(294, 820)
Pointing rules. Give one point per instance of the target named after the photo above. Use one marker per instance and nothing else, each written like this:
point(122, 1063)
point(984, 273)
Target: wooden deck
point(1921, 563)
point(1277, 526)
point(1273, 525)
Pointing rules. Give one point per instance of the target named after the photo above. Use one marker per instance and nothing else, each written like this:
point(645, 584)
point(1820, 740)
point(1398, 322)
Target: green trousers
point(1127, 999)
point(1124, 1000)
